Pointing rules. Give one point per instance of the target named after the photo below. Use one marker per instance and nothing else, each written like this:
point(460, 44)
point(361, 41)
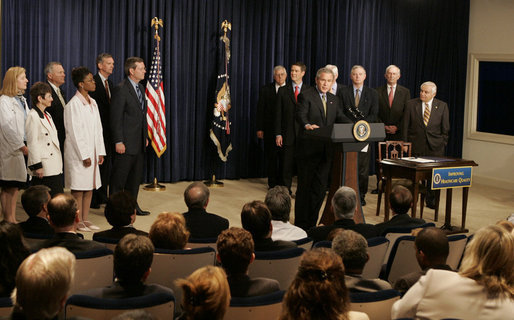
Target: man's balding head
point(196, 195)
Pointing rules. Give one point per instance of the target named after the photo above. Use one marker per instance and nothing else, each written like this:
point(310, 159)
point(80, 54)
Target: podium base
point(213, 183)
point(155, 186)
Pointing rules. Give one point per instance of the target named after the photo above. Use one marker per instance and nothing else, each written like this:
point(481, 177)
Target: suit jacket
point(404, 283)
point(392, 116)
point(202, 224)
point(442, 294)
point(399, 220)
point(270, 245)
point(57, 112)
point(241, 285)
point(128, 119)
point(36, 225)
point(71, 241)
point(356, 283)
point(427, 140)
point(368, 103)
point(117, 291)
point(285, 114)
point(104, 105)
point(266, 110)
point(321, 233)
point(118, 233)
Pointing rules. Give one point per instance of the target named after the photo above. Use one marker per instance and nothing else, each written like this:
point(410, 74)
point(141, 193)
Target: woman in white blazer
point(13, 112)
point(44, 160)
point(84, 148)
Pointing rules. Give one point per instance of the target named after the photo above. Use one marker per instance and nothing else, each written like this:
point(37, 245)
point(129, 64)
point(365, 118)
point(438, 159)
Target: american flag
point(156, 115)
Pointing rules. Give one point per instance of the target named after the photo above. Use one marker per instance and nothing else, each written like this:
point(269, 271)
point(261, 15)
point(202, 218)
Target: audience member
point(199, 222)
point(135, 315)
point(12, 254)
point(120, 212)
point(169, 231)
point(431, 252)
point(235, 253)
point(133, 258)
point(482, 289)
point(256, 218)
point(344, 203)
point(401, 202)
point(318, 290)
point(353, 249)
point(206, 294)
point(278, 202)
point(43, 283)
point(35, 203)
point(63, 215)
point(509, 226)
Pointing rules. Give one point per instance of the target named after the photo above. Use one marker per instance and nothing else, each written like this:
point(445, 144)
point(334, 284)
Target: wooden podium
point(344, 166)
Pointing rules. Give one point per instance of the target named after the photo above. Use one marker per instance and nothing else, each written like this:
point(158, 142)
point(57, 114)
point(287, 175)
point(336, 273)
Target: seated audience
point(256, 218)
point(35, 203)
point(482, 289)
point(432, 250)
point(318, 290)
point(169, 231)
point(353, 249)
point(120, 212)
point(199, 222)
point(12, 254)
point(133, 258)
point(509, 226)
point(64, 218)
point(401, 202)
point(278, 202)
point(344, 203)
point(135, 315)
point(206, 295)
point(43, 283)
point(235, 253)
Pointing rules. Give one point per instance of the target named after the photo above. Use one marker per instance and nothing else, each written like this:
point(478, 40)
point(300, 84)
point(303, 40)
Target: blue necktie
point(139, 95)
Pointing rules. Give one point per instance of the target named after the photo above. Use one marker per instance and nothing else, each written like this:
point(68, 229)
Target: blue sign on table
point(456, 177)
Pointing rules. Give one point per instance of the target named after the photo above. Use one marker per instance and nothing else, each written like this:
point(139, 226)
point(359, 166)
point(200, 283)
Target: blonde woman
point(13, 113)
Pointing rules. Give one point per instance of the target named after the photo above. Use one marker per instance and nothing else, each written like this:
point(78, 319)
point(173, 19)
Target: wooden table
point(416, 172)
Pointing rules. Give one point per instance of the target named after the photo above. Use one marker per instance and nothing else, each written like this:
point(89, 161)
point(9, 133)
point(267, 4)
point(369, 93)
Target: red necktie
point(296, 93)
point(391, 96)
point(107, 91)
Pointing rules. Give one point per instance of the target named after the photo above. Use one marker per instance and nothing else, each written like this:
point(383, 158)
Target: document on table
point(419, 160)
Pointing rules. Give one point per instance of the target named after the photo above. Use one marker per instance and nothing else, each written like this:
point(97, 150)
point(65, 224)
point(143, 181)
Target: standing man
point(102, 96)
point(286, 128)
point(55, 76)
point(129, 130)
point(426, 123)
point(317, 108)
point(265, 119)
point(336, 88)
point(365, 100)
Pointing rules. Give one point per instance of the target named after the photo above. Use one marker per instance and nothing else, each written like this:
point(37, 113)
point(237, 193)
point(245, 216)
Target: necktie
point(324, 100)
point(296, 91)
point(426, 114)
point(107, 92)
point(391, 96)
point(61, 97)
point(357, 97)
point(139, 96)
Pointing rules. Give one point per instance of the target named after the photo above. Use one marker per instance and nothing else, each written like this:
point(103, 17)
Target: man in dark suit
point(235, 253)
point(317, 108)
point(199, 222)
point(426, 123)
point(35, 203)
point(265, 122)
point(401, 202)
point(286, 128)
point(365, 100)
point(64, 217)
point(55, 75)
point(102, 96)
point(344, 203)
point(129, 131)
point(336, 88)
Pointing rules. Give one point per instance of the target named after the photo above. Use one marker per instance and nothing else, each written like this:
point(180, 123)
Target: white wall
point(491, 30)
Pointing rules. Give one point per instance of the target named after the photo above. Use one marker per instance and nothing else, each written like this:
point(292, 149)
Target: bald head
point(196, 195)
point(62, 210)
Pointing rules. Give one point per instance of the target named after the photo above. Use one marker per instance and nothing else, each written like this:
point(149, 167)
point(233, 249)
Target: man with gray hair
point(344, 203)
point(279, 204)
point(55, 75)
point(199, 222)
point(426, 124)
point(353, 249)
point(336, 88)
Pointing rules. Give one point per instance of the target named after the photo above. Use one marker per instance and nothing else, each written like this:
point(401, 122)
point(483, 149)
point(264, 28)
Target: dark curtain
point(426, 39)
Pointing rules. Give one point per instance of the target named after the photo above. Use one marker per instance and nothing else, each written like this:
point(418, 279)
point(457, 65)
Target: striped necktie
point(426, 114)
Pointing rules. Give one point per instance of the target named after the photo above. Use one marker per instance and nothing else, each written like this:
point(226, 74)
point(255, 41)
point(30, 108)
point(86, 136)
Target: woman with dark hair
point(84, 148)
point(13, 113)
point(12, 254)
point(318, 290)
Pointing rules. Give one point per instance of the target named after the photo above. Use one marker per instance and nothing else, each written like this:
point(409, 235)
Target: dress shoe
point(430, 204)
point(363, 202)
point(82, 227)
point(94, 205)
point(91, 226)
point(140, 212)
point(374, 191)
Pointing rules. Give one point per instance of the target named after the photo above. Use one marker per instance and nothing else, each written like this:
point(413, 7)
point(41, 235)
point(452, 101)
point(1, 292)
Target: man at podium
point(317, 108)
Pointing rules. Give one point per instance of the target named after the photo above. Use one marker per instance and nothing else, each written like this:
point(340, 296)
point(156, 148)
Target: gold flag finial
point(226, 25)
point(156, 22)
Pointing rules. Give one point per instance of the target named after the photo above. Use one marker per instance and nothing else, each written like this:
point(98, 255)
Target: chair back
point(110, 243)
point(377, 305)
point(161, 305)
point(279, 265)
point(5, 306)
point(393, 149)
point(93, 269)
point(323, 244)
point(457, 244)
point(394, 233)
point(402, 259)
point(267, 306)
point(377, 248)
point(202, 243)
point(305, 243)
